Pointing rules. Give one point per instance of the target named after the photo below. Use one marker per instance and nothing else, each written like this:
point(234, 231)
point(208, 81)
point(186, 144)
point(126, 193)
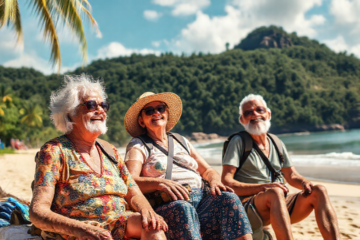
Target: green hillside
point(304, 83)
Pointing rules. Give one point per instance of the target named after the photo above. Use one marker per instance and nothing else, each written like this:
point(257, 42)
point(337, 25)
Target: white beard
point(261, 127)
point(95, 127)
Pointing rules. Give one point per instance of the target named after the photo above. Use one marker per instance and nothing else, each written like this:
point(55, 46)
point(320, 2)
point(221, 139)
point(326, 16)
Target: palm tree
point(32, 114)
point(5, 98)
point(68, 12)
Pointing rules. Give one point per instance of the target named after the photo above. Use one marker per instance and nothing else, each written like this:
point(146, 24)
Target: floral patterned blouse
point(80, 193)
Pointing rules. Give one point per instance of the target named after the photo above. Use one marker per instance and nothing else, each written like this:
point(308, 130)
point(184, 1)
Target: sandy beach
point(17, 172)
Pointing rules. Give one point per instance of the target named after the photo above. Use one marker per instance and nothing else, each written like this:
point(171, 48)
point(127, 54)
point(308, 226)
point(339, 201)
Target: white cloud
point(116, 49)
point(210, 34)
point(345, 11)
point(183, 7)
point(346, 14)
point(151, 15)
point(8, 42)
point(30, 61)
point(346, 26)
point(165, 3)
point(355, 50)
point(40, 64)
point(337, 44)
point(156, 43)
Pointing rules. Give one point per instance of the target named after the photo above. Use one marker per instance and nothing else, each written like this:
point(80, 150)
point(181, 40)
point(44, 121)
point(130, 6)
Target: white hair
point(64, 101)
point(252, 97)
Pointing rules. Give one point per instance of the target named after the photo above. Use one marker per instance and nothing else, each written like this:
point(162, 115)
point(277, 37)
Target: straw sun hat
point(172, 100)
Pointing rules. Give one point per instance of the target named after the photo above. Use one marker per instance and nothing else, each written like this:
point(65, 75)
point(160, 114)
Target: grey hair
point(249, 98)
point(64, 101)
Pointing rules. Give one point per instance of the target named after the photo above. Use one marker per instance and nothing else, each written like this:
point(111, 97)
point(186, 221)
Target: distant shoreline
point(221, 138)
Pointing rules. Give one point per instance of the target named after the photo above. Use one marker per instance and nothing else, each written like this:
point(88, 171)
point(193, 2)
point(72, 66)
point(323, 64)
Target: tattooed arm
point(42, 217)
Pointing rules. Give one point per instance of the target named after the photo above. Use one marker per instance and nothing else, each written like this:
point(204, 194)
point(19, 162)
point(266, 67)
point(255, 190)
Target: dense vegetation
point(304, 83)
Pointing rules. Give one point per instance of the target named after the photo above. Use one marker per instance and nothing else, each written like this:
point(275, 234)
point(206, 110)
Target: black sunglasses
point(151, 110)
point(92, 105)
point(260, 110)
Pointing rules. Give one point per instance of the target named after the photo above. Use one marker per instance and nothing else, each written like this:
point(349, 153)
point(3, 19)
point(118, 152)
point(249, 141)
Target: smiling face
point(156, 120)
point(255, 117)
point(93, 122)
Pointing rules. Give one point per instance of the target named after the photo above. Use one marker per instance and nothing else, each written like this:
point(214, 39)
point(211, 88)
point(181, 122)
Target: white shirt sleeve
point(136, 143)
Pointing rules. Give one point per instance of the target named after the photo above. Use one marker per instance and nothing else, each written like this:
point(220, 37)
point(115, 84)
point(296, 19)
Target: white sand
point(17, 173)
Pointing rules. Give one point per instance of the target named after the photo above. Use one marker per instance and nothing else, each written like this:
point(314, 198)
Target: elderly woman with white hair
point(82, 188)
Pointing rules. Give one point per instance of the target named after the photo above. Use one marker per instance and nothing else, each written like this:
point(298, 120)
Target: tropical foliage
point(5, 98)
point(31, 114)
point(305, 85)
point(52, 15)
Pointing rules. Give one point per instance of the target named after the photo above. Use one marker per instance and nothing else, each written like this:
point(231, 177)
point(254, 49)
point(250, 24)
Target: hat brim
point(172, 100)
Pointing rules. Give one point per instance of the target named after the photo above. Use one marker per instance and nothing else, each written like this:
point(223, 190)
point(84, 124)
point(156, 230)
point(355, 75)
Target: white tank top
point(156, 163)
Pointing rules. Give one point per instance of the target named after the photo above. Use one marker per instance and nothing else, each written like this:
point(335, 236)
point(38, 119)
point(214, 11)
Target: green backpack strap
point(278, 146)
point(247, 146)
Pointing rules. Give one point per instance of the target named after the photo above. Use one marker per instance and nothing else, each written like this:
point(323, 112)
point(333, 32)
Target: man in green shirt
point(254, 185)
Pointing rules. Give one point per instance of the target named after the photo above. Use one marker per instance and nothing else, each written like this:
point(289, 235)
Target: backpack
point(148, 142)
point(248, 146)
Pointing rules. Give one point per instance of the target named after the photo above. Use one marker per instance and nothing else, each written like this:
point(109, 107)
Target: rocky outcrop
point(203, 137)
point(330, 127)
point(266, 37)
point(307, 129)
point(276, 40)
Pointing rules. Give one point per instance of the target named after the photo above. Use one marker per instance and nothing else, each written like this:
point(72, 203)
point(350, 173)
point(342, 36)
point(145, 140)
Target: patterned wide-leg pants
point(205, 217)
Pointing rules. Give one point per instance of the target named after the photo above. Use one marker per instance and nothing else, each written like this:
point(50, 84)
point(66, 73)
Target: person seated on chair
point(262, 186)
point(82, 188)
point(196, 212)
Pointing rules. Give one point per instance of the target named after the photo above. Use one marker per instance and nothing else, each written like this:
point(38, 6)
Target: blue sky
point(182, 26)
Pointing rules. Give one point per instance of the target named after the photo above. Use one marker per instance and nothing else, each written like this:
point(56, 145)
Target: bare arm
point(45, 219)
point(134, 164)
point(208, 173)
point(244, 189)
point(140, 204)
point(296, 180)
point(134, 161)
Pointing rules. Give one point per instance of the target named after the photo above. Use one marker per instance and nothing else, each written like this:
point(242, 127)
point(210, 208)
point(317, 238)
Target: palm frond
point(39, 120)
point(32, 114)
point(10, 14)
point(24, 119)
point(2, 13)
point(17, 25)
point(41, 8)
point(7, 98)
point(69, 11)
point(72, 12)
point(91, 18)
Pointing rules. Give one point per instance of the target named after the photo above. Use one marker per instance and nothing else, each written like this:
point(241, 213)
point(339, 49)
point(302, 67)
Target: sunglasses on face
point(151, 110)
point(260, 110)
point(92, 105)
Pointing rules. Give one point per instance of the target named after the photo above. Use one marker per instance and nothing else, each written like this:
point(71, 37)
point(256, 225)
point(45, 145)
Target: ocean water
point(325, 148)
